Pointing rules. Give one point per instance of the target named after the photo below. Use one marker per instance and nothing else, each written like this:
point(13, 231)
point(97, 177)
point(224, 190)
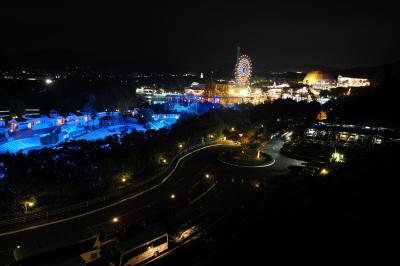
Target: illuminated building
point(196, 89)
point(319, 80)
point(352, 82)
point(213, 91)
point(274, 94)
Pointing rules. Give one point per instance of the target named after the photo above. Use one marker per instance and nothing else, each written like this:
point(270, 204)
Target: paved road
point(189, 171)
point(281, 161)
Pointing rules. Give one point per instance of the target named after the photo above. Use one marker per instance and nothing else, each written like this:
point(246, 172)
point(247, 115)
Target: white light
point(49, 81)
point(243, 92)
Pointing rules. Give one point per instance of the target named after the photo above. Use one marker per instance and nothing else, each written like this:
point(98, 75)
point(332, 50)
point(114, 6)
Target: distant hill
point(377, 105)
point(378, 73)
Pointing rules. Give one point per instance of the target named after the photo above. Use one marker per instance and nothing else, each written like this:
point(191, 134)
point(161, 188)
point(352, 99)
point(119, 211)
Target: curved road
point(189, 171)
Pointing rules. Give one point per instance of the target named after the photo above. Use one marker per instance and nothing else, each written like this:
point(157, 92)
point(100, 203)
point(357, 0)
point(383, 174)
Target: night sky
point(202, 35)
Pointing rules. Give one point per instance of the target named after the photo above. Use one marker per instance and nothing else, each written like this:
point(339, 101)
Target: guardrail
point(89, 203)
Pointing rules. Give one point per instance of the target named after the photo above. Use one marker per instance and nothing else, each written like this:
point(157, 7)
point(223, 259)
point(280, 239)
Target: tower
point(237, 53)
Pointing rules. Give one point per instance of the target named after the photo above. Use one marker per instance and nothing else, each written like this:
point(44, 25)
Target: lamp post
point(28, 204)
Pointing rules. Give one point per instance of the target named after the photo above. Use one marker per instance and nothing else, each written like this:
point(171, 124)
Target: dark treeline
point(67, 95)
point(79, 169)
point(64, 95)
point(377, 105)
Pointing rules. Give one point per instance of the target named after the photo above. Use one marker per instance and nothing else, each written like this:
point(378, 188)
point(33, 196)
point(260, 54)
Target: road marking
point(112, 204)
point(199, 197)
point(249, 166)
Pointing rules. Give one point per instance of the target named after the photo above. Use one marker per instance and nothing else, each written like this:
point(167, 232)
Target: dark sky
point(199, 36)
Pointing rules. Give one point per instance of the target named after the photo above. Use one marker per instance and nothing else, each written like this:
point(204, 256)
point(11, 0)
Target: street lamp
point(180, 146)
point(29, 204)
point(324, 172)
point(172, 196)
point(115, 219)
point(123, 180)
point(207, 176)
point(232, 129)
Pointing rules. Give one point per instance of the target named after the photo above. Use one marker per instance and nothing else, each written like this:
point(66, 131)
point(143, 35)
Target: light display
point(352, 82)
point(243, 70)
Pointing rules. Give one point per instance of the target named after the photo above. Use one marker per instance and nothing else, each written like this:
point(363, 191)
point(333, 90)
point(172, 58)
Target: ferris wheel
point(243, 70)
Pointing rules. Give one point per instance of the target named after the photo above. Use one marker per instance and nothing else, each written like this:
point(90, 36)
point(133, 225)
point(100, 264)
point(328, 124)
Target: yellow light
point(164, 161)
point(115, 220)
point(207, 175)
point(232, 92)
point(172, 196)
point(124, 180)
point(29, 203)
point(232, 129)
point(18, 246)
point(324, 171)
point(180, 146)
point(211, 136)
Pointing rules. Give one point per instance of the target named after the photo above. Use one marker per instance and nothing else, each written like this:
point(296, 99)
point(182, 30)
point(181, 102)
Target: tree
point(17, 108)
point(90, 112)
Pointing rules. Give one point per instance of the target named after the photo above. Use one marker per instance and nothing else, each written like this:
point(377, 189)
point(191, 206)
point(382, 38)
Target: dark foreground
point(348, 217)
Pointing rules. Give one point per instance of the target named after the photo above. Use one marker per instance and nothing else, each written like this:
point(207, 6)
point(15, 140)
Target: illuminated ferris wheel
point(243, 71)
